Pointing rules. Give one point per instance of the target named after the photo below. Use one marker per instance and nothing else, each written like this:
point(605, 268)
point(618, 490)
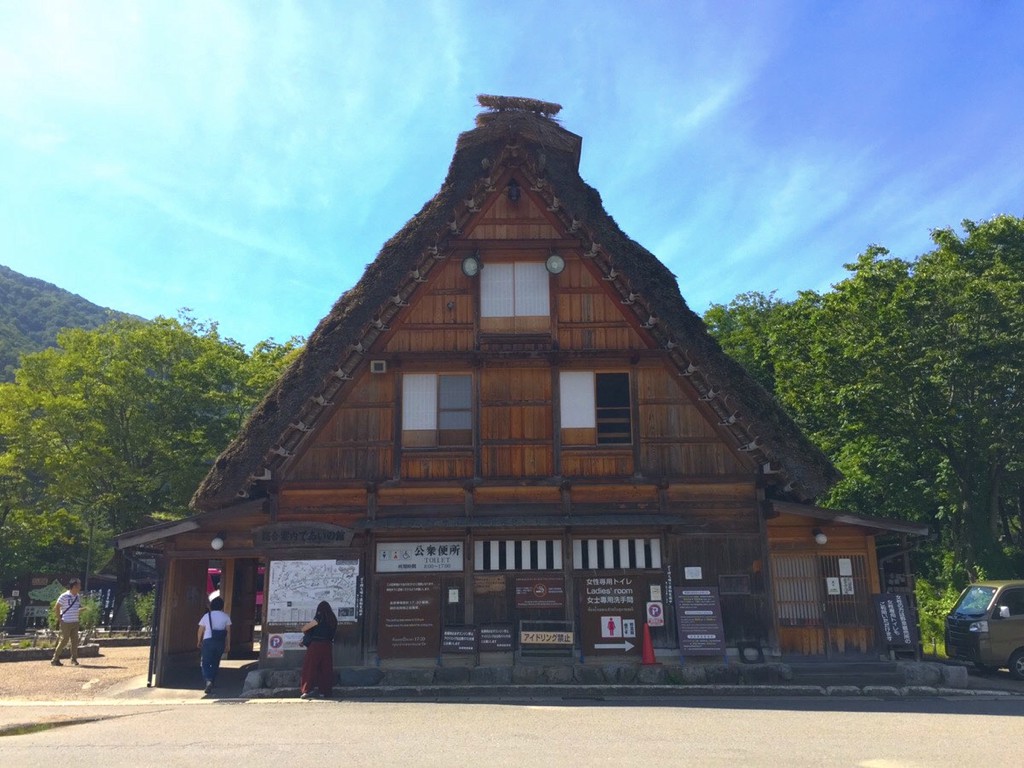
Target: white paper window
point(497, 290)
point(532, 290)
point(576, 390)
point(419, 401)
point(514, 290)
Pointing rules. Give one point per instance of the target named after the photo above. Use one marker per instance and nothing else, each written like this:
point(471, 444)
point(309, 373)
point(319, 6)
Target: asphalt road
point(965, 731)
point(102, 714)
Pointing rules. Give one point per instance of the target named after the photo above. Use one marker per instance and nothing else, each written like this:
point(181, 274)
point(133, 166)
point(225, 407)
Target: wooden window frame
point(611, 425)
point(516, 322)
point(439, 437)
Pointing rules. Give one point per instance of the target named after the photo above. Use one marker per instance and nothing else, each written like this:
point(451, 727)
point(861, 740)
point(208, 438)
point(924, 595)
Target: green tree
point(910, 375)
point(746, 330)
point(118, 425)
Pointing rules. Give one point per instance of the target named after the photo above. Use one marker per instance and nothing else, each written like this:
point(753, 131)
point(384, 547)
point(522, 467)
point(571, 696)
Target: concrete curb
point(90, 651)
point(571, 693)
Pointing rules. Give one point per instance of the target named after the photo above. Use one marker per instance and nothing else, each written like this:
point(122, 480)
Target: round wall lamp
point(471, 265)
point(820, 537)
point(555, 264)
point(217, 542)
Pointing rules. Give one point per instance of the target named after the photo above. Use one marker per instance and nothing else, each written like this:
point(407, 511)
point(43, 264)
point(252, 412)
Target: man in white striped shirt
point(67, 608)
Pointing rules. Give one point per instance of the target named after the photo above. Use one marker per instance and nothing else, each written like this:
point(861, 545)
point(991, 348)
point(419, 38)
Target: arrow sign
point(624, 646)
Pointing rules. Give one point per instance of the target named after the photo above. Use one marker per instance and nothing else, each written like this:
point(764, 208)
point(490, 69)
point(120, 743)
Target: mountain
point(33, 311)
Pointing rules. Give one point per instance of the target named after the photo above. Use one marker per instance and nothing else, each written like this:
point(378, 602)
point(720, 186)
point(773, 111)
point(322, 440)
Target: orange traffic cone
point(648, 651)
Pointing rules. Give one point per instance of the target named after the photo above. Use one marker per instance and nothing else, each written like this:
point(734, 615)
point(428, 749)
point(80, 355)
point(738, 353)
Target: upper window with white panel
point(515, 297)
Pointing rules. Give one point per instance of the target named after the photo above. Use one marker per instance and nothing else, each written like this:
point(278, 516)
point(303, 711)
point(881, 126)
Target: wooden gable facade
point(512, 439)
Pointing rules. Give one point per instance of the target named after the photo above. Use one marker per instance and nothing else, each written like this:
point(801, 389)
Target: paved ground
point(766, 732)
point(120, 674)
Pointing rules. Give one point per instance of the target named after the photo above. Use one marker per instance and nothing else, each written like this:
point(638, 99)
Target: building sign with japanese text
point(613, 608)
point(895, 622)
point(404, 556)
point(459, 640)
point(496, 638)
point(279, 535)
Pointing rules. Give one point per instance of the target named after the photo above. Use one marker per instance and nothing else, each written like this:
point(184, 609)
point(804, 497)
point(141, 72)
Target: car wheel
point(1017, 664)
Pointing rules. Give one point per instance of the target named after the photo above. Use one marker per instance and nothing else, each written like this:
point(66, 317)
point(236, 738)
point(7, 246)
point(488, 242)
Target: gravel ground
point(114, 670)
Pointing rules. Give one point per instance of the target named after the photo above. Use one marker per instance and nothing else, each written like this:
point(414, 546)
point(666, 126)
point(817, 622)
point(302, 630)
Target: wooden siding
point(514, 405)
point(588, 316)
point(676, 437)
point(745, 617)
point(358, 440)
point(504, 220)
point(441, 315)
point(516, 430)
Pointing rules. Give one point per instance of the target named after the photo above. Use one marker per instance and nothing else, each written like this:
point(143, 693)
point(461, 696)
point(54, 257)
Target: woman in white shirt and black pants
point(212, 638)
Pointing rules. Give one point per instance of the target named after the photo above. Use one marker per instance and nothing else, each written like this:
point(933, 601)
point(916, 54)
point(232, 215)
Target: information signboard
point(613, 608)
point(699, 622)
point(895, 623)
point(459, 640)
point(410, 615)
point(496, 638)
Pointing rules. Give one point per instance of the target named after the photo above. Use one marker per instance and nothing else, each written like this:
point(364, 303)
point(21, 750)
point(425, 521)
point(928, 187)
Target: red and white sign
point(656, 614)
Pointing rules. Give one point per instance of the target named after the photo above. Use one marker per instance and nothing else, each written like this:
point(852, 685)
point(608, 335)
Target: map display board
point(296, 587)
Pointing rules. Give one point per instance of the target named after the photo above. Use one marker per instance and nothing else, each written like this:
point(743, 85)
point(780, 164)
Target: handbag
point(307, 638)
point(217, 635)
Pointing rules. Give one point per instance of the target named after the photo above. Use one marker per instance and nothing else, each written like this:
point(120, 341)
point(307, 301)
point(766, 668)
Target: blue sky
point(248, 159)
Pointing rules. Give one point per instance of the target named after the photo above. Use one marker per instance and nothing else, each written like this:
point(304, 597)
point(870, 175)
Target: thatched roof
point(520, 133)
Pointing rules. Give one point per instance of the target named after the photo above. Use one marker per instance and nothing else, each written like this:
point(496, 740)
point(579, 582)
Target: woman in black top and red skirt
point(318, 665)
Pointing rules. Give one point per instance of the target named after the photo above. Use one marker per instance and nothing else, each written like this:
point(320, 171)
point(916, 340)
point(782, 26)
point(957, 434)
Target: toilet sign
point(656, 614)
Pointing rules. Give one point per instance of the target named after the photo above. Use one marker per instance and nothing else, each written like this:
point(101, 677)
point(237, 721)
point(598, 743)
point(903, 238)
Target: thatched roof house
point(525, 134)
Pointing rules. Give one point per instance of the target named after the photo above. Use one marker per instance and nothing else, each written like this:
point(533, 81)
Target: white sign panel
point(847, 584)
point(656, 614)
point(279, 642)
point(296, 587)
point(419, 556)
point(832, 584)
point(692, 572)
point(845, 566)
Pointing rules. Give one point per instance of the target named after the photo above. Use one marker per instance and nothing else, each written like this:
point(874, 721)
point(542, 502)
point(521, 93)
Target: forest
point(908, 373)
point(33, 311)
